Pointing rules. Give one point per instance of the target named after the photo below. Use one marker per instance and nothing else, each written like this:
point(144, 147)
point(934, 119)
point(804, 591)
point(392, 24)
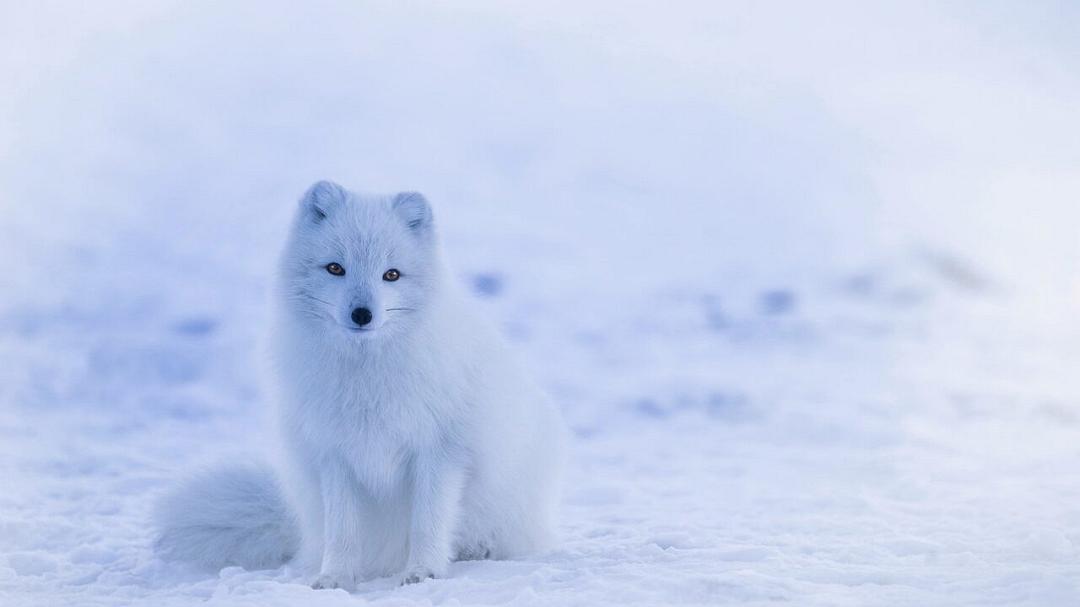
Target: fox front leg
point(437, 487)
point(341, 528)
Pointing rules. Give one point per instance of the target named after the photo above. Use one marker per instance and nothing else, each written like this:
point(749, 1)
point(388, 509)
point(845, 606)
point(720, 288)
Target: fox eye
point(335, 269)
point(391, 275)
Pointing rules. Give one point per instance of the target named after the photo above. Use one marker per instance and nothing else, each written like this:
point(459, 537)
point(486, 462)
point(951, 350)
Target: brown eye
point(335, 269)
point(391, 275)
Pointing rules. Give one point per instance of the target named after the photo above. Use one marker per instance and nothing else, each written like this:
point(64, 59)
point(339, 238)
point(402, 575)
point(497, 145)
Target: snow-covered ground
point(803, 277)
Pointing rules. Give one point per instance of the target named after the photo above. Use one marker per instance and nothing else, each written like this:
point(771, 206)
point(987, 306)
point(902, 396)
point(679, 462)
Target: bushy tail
point(232, 515)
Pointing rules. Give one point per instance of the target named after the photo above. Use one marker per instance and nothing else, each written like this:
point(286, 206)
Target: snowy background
point(803, 276)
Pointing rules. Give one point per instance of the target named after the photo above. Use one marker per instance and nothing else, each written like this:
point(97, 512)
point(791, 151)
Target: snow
point(803, 278)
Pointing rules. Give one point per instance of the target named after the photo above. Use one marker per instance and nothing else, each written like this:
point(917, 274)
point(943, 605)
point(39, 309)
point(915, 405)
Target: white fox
point(409, 439)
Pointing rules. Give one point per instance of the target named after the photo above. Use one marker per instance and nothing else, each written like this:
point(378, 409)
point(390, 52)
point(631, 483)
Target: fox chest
point(377, 433)
point(380, 449)
point(380, 461)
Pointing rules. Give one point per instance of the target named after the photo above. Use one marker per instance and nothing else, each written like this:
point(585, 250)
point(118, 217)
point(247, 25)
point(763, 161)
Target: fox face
point(359, 266)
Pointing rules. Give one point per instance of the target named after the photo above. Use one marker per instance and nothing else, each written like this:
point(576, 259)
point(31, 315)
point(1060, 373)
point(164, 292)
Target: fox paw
point(327, 581)
point(415, 575)
point(477, 552)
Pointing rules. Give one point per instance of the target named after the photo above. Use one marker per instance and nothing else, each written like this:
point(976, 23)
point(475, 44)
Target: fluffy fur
point(406, 443)
point(232, 515)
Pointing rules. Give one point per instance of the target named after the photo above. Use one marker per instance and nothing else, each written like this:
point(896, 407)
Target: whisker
point(307, 296)
point(405, 309)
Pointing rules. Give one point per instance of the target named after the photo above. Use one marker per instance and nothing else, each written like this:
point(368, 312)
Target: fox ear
point(414, 210)
point(321, 199)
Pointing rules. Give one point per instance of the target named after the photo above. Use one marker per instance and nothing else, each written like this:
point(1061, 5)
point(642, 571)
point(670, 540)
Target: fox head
point(359, 266)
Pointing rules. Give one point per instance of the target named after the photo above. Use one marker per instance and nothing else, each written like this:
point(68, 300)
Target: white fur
point(416, 440)
point(231, 515)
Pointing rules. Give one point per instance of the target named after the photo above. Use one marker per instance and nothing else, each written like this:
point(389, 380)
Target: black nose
point(361, 316)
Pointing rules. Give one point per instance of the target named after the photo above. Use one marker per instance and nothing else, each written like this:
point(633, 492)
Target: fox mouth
point(368, 329)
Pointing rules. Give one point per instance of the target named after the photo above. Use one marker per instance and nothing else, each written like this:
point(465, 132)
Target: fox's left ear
point(414, 210)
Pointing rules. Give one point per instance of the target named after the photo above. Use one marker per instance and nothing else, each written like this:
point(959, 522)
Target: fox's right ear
point(321, 199)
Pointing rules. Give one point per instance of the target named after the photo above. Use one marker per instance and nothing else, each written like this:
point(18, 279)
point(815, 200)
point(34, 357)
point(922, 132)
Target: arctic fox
point(408, 438)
